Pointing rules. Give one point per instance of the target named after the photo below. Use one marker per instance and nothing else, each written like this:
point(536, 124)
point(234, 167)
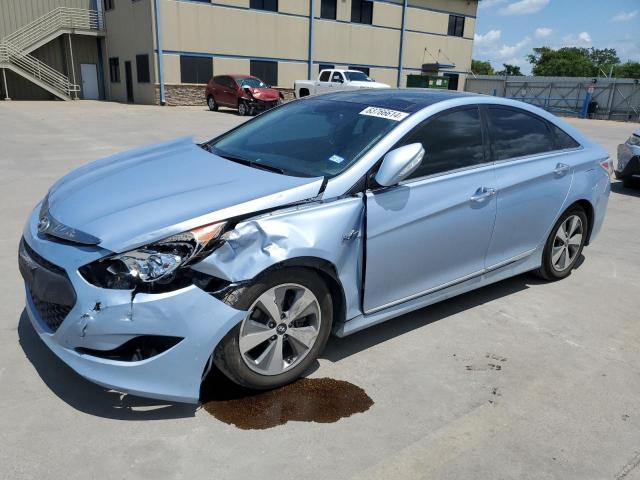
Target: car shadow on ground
point(633, 191)
point(339, 348)
point(87, 396)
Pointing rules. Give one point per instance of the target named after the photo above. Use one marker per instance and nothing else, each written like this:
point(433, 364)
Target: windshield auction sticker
point(384, 113)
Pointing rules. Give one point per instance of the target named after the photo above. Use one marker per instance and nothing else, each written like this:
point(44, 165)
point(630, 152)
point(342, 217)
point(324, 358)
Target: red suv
point(248, 94)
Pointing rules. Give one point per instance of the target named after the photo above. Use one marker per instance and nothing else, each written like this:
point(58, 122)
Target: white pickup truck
point(335, 80)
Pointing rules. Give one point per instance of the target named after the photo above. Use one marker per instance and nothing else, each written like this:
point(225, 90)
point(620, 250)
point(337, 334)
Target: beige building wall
point(205, 28)
point(17, 13)
point(352, 43)
point(129, 33)
point(231, 37)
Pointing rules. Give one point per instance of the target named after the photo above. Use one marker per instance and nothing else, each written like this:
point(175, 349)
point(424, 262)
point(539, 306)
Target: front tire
point(564, 245)
point(243, 109)
point(289, 319)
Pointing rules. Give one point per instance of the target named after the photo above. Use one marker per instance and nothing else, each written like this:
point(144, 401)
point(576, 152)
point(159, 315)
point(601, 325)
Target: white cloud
point(523, 7)
point(583, 39)
point(490, 3)
point(626, 16)
point(489, 38)
point(543, 32)
point(510, 51)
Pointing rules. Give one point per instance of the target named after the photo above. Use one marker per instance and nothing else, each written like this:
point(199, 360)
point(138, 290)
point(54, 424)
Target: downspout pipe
point(401, 52)
point(160, 52)
point(311, 29)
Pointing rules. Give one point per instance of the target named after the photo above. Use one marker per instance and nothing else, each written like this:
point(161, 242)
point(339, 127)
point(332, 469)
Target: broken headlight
point(158, 262)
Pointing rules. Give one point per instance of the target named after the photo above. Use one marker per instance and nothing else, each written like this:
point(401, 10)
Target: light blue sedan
point(328, 214)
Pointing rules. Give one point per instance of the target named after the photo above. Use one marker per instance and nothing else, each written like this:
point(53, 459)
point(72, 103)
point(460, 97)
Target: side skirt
point(489, 276)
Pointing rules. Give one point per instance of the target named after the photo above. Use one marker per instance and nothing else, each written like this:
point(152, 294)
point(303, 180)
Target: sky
point(508, 30)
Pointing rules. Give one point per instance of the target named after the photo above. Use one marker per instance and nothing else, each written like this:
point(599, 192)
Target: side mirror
point(246, 88)
point(398, 164)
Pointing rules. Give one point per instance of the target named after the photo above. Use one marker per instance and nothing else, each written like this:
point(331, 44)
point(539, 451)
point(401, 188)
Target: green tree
point(564, 62)
point(510, 70)
point(603, 60)
point(627, 70)
point(481, 68)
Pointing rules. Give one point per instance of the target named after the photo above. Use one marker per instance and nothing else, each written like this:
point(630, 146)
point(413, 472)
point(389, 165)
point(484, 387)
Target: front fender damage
point(328, 231)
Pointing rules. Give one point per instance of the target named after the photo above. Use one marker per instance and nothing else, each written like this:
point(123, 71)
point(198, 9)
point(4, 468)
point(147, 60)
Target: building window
point(364, 70)
point(328, 9)
point(265, 71)
point(325, 66)
point(114, 70)
point(195, 69)
point(362, 11)
point(108, 5)
point(142, 68)
point(456, 26)
point(270, 5)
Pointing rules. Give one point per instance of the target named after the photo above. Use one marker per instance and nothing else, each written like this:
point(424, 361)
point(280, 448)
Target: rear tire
point(284, 347)
point(564, 245)
point(211, 103)
point(628, 182)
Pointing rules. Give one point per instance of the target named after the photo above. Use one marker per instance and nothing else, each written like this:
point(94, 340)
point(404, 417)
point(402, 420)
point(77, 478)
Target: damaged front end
point(146, 321)
point(150, 339)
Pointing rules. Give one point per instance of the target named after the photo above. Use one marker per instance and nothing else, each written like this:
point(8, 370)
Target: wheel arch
point(327, 272)
point(589, 211)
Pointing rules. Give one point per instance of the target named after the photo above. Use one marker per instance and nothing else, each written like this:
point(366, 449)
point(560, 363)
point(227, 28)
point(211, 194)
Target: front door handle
point(561, 169)
point(482, 194)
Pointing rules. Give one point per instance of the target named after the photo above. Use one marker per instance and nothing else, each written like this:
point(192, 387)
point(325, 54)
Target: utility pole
point(4, 78)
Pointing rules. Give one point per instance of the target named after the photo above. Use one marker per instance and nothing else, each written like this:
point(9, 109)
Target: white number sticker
point(384, 113)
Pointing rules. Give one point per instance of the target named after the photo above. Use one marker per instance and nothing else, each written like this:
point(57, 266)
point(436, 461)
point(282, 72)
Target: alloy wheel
point(280, 330)
point(567, 243)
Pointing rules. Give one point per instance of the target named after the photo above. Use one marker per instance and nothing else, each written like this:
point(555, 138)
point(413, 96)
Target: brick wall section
point(193, 94)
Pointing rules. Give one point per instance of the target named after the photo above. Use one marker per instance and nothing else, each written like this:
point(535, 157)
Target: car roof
point(408, 100)
point(236, 75)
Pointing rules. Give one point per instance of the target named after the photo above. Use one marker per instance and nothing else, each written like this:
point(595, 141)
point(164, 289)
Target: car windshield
point(251, 82)
point(357, 77)
point(307, 138)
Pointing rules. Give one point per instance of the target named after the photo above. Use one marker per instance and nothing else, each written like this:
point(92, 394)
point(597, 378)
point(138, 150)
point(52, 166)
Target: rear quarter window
point(563, 141)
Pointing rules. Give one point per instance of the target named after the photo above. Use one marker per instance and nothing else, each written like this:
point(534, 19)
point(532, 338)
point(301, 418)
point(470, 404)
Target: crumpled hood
point(369, 85)
point(265, 94)
point(142, 195)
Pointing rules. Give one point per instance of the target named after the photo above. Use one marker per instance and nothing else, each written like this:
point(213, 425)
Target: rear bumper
point(103, 319)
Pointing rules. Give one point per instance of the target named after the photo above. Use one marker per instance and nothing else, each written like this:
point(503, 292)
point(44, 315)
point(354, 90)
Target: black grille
point(50, 289)
point(52, 314)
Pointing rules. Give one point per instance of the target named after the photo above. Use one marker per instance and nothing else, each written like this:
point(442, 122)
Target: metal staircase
point(16, 48)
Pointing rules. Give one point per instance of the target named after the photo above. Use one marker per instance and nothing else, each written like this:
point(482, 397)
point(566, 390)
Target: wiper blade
point(251, 163)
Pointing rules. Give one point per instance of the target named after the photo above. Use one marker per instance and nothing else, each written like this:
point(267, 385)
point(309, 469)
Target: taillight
point(607, 164)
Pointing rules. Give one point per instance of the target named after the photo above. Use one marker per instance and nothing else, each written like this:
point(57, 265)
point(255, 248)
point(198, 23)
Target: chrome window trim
point(538, 156)
point(412, 181)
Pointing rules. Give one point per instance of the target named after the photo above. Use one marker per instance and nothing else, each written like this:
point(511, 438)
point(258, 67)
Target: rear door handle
point(561, 169)
point(482, 194)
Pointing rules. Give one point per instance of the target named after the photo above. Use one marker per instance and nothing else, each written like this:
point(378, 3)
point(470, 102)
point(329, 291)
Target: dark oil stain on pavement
point(322, 400)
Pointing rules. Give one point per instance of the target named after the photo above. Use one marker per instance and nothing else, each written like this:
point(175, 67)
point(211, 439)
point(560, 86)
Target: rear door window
point(324, 76)
point(451, 141)
point(516, 133)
